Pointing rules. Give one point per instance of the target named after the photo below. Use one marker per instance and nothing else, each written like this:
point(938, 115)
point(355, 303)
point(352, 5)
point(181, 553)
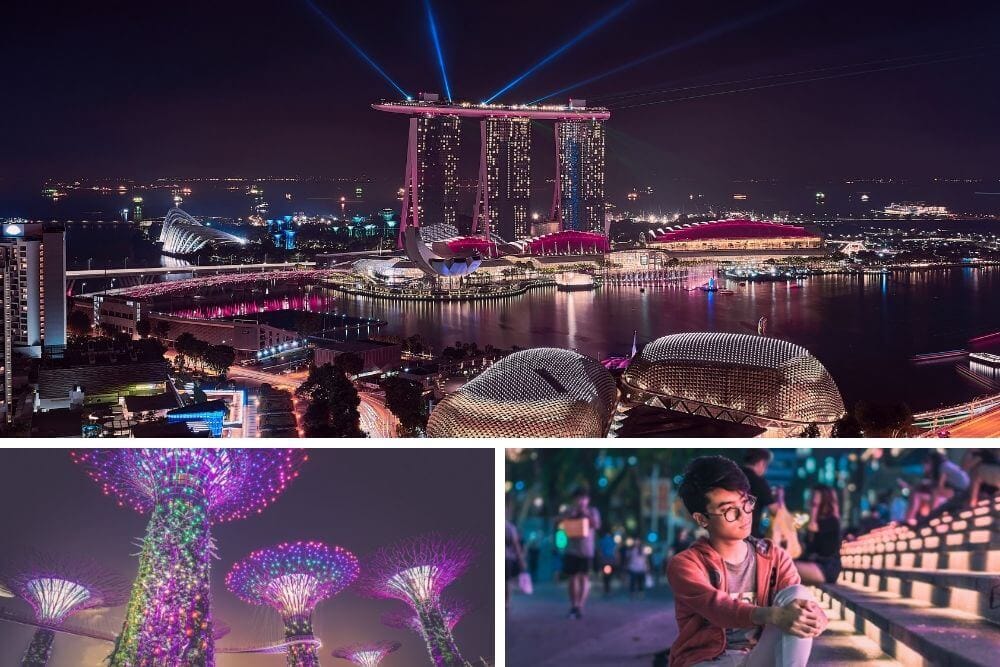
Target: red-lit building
point(740, 235)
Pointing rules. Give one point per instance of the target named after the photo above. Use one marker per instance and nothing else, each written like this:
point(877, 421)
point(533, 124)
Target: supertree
point(369, 654)
point(452, 609)
point(168, 620)
point(57, 587)
point(415, 571)
point(293, 578)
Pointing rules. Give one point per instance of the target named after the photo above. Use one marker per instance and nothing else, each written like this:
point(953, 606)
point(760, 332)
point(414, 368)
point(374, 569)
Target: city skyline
point(792, 129)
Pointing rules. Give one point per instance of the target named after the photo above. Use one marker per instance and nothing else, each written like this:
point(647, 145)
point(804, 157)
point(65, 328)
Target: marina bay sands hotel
point(502, 200)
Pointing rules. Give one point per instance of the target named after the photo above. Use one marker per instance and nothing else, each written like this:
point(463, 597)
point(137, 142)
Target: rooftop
point(468, 109)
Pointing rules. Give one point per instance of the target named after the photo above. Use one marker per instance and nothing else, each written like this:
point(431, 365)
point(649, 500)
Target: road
point(376, 419)
point(986, 425)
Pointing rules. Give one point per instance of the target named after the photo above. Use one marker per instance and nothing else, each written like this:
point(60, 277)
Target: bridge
point(939, 419)
point(146, 275)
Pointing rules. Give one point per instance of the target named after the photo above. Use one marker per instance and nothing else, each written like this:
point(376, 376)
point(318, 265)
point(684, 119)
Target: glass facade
point(504, 177)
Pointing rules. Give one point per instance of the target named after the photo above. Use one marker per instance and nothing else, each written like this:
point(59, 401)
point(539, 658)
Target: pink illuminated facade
point(738, 234)
point(567, 242)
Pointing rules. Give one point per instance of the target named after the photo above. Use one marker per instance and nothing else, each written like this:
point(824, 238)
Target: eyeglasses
point(734, 513)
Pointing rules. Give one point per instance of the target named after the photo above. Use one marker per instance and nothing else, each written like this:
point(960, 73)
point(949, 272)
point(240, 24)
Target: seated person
point(821, 562)
point(738, 600)
point(942, 480)
point(984, 471)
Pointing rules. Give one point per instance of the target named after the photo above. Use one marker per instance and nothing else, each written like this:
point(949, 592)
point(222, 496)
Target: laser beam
point(364, 56)
point(562, 49)
point(687, 43)
point(437, 48)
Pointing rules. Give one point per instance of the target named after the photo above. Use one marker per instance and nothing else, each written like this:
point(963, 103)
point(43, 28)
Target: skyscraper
point(8, 289)
point(36, 267)
point(504, 192)
point(578, 201)
point(431, 188)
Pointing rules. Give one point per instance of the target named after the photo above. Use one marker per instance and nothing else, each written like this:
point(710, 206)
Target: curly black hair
point(706, 473)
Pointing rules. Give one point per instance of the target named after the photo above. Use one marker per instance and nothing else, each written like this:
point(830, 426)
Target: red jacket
point(704, 609)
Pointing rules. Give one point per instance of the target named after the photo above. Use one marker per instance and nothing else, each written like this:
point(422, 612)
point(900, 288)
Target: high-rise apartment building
point(37, 259)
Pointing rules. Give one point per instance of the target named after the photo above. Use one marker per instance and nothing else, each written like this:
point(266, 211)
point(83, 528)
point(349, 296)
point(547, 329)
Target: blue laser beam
point(687, 43)
point(364, 56)
point(562, 49)
point(437, 47)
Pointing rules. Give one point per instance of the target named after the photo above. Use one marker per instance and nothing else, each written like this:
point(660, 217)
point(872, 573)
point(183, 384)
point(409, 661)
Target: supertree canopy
point(416, 571)
point(369, 654)
point(168, 619)
point(293, 578)
point(452, 609)
point(56, 588)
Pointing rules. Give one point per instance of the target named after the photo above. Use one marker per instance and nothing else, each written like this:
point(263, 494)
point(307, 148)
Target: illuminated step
point(976, 593)
point(841, 646)
point(976, 533)
point(974, 557)
point(915, 633)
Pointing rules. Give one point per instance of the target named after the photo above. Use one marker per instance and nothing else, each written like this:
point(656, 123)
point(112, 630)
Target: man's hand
point(801, 618)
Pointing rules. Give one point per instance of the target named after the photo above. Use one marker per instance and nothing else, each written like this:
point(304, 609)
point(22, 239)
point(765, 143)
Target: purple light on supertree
point(369, 654)
point(452, 609)
point(56, 588)
point(293, 578)
point(168, 619)
point(415, 571)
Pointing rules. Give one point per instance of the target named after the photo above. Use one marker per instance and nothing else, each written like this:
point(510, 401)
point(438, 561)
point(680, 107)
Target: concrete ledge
point(915, 633)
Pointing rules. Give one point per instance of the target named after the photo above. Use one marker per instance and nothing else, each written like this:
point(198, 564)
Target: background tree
point(219, 358)
point(162, 329)
point(883, 420)
point(108, 330)
point(350, 363)
point(143, 327)
point(333, 404)
point(847, 427)
point(78, 323)
point(405, 399)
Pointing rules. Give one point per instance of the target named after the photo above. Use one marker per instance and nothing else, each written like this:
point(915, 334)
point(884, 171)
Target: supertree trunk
point(167, 622)
point(39, 650)
point(300, 655)
point(440, 643)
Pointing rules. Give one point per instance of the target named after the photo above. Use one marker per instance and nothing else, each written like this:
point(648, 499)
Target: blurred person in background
point(821, 562)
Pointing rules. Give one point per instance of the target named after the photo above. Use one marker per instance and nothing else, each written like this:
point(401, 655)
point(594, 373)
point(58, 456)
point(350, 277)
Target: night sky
point(151, 89)
point(358, 499)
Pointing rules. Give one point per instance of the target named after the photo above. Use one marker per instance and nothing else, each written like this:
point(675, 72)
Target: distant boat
point(762, 326)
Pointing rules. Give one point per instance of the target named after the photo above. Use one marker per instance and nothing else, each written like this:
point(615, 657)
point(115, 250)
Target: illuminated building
point(739, 237)
point(56, 588)
point(578, 200)
point(168, 620)
point(504, 191)
point(537, 393)
point(504, 163)
point(416, 571)
point(756, 380)
point(35, 270)
point(293, 578)
point(182, 235)
point(367, 654)
point(137, 209)
point(917, 210)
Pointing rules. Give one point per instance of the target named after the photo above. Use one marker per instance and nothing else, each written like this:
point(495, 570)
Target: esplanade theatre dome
point(743, 378)
point(538, 393)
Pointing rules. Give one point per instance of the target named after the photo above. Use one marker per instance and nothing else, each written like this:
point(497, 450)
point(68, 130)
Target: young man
point(739, 600)
point(578, 558)
point(755, 464)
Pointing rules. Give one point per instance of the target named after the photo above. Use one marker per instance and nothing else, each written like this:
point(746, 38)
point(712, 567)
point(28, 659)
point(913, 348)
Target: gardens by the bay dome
point(541, 392)
point(768, 382)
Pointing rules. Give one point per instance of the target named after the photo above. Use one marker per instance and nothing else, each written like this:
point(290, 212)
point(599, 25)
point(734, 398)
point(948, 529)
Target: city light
point(601, 22)
point(432, 24)
point(357, 49)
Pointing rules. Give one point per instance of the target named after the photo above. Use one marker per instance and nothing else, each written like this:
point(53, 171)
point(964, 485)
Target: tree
point(184, 343)
point(78, 323)
point(350, 363)
point(847, 427)
point(162, 328)
point(219, 358)
point(333, 404)
point(811, 431)
point(108, 330)
point(143, 327)
point(883, 420)
point(405, 399)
